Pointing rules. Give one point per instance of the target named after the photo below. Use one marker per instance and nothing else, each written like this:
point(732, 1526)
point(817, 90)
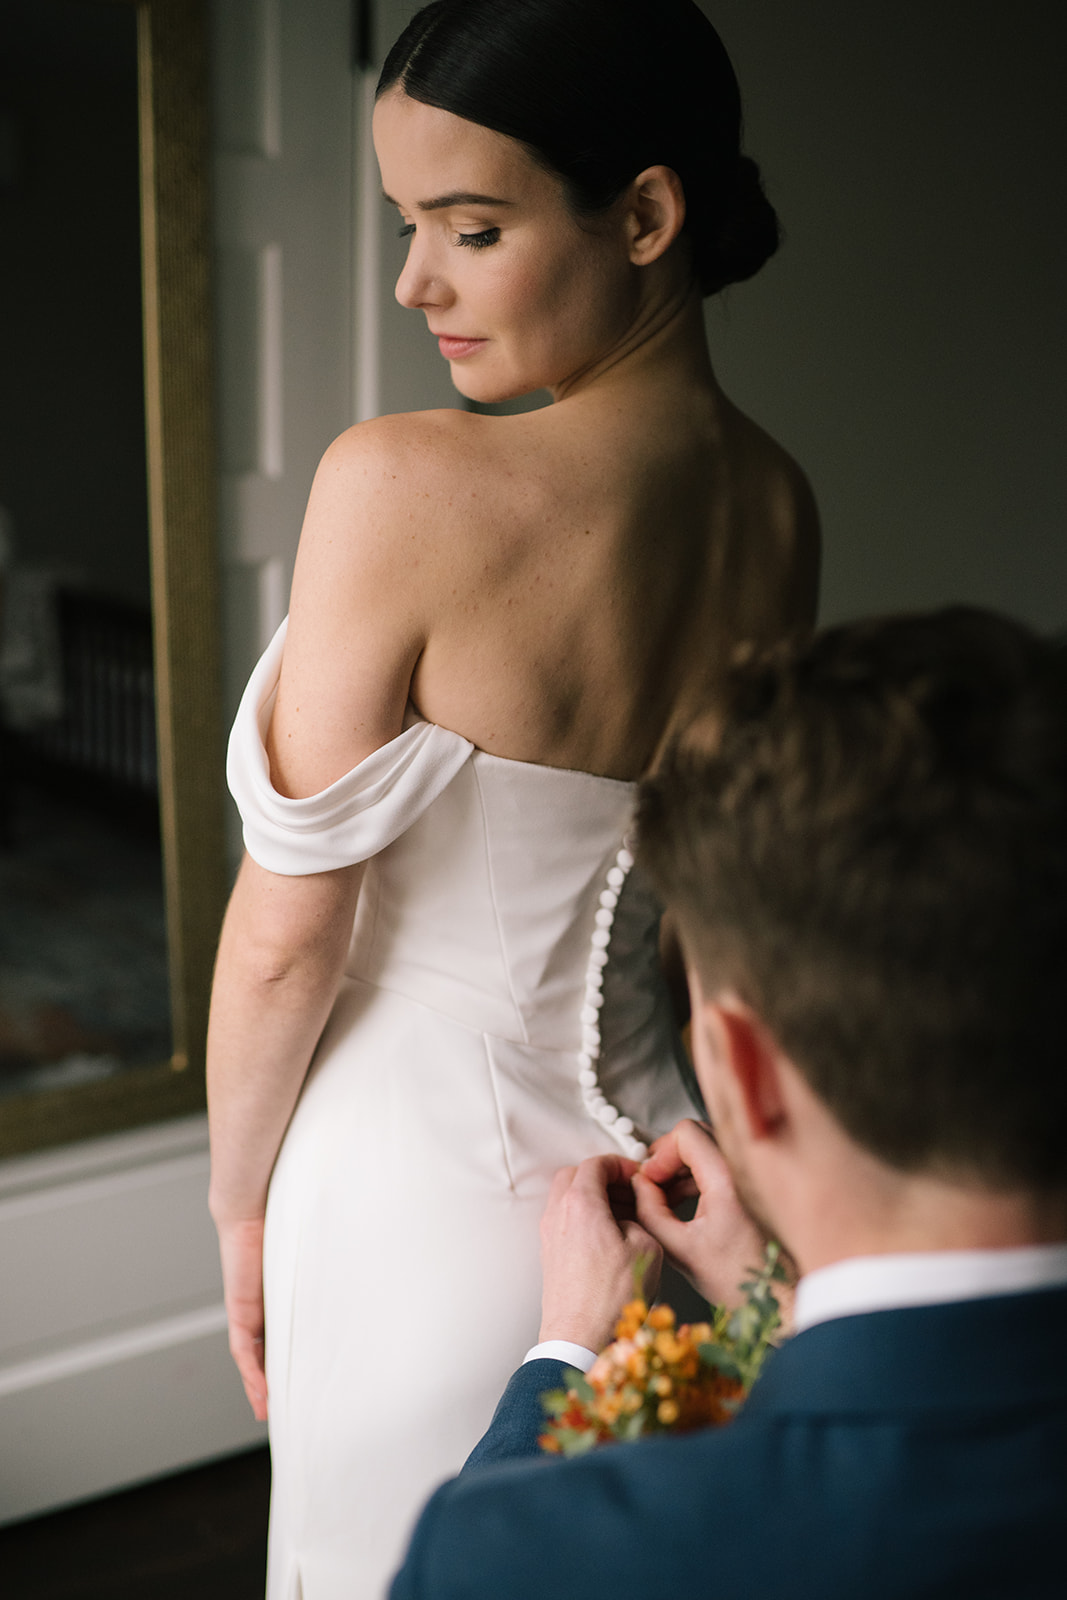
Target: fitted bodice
point(485, 907)
point(501, 1016)
point(483, 883)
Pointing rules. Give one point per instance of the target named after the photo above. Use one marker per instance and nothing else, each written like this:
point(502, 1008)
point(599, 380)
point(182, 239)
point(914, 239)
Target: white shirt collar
point(925, 1278)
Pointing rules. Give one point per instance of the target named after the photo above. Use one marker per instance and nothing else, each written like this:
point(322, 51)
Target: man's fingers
point(697, 1145)
point(663, 1161)
point(621, 1201)
point(598, 1174)
point(655, 1215)
point(688, 1148)
point(561, 1182)
point(558, 1190)
point(643, 1243)
point(672, 1155)
point(641, 1240)
point(600, 1185)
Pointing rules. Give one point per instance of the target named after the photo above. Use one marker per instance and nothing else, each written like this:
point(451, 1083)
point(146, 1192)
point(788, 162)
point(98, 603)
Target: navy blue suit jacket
point(904, 1454)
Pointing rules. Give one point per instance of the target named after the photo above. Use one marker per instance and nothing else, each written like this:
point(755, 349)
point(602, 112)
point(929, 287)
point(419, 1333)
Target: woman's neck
point(665, 339)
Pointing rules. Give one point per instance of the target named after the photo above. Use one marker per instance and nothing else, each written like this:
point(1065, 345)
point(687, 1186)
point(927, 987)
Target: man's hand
point(590, 1243)
point(720, 1244)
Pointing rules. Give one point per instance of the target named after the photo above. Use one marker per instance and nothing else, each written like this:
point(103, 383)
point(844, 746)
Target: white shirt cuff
point(575, 1355)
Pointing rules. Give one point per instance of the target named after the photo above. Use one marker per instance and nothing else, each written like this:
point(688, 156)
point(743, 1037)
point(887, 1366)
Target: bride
point(437, 980)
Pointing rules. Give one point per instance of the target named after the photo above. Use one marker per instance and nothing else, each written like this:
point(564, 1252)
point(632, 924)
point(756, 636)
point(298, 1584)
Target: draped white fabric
point(355, 817)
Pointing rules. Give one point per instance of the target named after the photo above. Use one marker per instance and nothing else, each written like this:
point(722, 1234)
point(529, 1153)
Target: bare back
point(600, 571)
point(562, 587)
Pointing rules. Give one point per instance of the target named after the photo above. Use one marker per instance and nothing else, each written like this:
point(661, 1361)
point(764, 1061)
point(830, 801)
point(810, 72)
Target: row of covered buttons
point(621, 1128)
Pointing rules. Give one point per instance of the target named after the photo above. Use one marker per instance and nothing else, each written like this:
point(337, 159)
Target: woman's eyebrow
point(460, 197)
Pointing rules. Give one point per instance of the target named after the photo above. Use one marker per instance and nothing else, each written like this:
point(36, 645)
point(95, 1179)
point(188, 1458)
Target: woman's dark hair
point(598, 90)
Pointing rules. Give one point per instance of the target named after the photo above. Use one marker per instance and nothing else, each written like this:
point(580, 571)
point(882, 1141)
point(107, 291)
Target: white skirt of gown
point(401, 1263)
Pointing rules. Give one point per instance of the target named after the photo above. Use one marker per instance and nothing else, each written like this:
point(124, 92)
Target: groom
point(866, 855)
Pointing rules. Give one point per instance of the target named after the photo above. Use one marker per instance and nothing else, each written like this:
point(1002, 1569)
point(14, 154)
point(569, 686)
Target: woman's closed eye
point(479, 241)
point(473, 241)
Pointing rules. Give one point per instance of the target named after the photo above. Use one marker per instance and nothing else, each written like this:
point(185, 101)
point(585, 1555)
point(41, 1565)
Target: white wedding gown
point(401, 1262)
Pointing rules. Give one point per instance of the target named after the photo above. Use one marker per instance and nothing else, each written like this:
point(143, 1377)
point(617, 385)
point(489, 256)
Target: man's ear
point(655, 213)
point(748, 1056)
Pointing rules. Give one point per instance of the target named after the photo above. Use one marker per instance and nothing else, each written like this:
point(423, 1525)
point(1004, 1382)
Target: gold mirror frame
point(173, 90)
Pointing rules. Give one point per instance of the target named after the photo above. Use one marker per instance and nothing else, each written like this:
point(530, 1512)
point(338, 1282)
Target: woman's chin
point(485, 390)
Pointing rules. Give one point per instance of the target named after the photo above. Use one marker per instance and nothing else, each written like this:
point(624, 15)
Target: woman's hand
point(241, 1250)
point(720, 1244)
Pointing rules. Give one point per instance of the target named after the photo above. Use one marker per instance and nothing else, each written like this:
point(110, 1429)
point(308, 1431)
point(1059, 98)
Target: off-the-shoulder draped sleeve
point(355, 817)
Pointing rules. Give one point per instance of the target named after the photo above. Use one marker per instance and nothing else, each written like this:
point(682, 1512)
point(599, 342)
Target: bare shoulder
point(381, 462)
point(399, 486)
point(399, 503)
point(365, 596)
point(392, 455)
point(787, 519)
point(799, 538)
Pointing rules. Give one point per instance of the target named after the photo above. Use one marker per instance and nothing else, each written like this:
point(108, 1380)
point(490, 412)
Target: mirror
point(112, 875)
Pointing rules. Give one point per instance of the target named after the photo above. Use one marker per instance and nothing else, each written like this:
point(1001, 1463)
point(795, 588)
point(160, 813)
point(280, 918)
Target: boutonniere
point(657, 1377)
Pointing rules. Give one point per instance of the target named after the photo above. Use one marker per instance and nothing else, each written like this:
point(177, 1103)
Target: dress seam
point(474, 1028)
point(505, 1147)
point(373, 912)
point(496, 908)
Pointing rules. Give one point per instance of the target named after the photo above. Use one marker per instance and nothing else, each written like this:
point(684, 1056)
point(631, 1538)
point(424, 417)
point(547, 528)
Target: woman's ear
point(655, 213)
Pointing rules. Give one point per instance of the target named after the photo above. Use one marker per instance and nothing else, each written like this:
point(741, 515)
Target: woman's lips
point(455, 349)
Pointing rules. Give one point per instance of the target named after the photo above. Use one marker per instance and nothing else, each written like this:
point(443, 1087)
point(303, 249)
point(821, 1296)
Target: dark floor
point(201, 1535)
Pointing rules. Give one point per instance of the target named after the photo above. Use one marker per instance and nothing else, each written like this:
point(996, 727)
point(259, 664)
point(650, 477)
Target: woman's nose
point(418, 286)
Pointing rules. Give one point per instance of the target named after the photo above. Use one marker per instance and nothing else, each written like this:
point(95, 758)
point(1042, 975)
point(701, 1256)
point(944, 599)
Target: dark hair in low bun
point(598, 90)
point(742, 235)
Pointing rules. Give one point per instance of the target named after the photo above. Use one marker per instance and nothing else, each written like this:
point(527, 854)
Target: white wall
point(310, 338)
point(908, 344)
point(114, 1364)
point(284, 176)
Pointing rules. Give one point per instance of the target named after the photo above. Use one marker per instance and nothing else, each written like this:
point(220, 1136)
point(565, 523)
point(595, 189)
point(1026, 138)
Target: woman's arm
point(359, 611)
point(280, 959)
point(354, 636)
point(349, 653)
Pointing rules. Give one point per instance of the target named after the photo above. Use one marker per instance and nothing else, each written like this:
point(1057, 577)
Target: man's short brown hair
point(867, 842)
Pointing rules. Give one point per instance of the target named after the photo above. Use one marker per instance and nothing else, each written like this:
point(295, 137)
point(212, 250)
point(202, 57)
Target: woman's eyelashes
point(479, 241)
point(473, 241)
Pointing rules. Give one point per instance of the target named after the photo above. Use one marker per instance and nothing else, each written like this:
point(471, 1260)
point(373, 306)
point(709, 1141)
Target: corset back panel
point(484, 909)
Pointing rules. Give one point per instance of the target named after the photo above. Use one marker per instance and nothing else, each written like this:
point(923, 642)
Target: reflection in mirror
point(110, 875)
point(83, 962)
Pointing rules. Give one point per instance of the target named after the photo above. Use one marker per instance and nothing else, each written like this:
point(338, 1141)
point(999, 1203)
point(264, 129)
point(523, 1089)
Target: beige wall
point(908, 344)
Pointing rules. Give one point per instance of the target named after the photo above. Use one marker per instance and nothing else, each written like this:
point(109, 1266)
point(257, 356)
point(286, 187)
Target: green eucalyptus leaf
point(575, 1443)
point(579, 1383)
point(555, 1402)
point(641, 1266)
point(713, 1355)
point(632, 1427)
